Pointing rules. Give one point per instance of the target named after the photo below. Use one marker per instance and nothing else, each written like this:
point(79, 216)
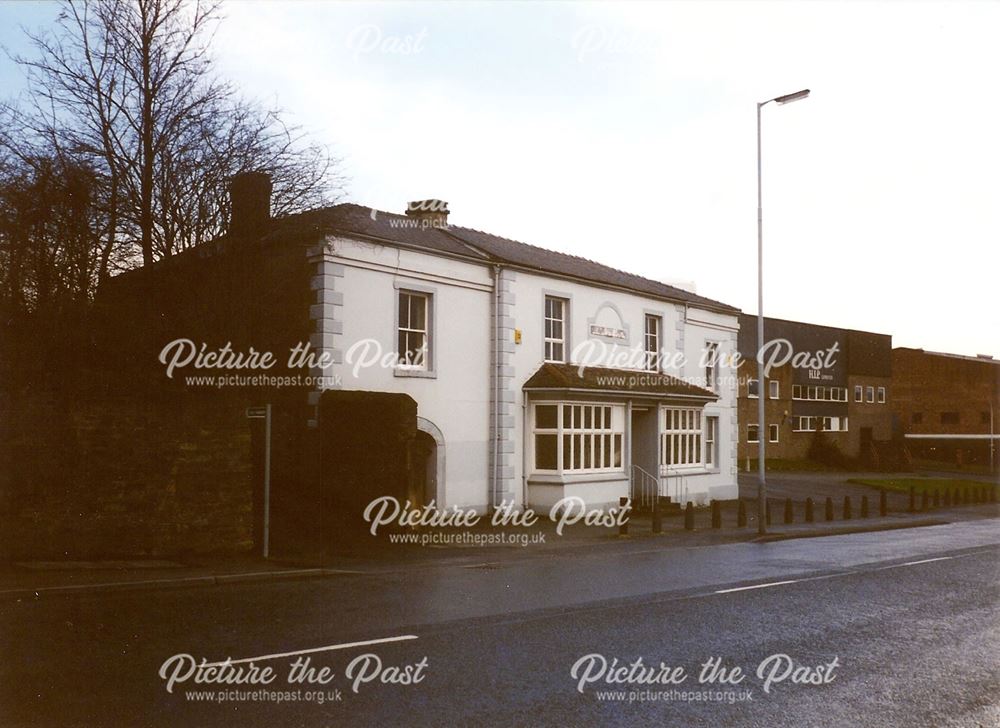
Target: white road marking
point(927, 561)
point(756, 586)
point(328, 648)
point(923, 561)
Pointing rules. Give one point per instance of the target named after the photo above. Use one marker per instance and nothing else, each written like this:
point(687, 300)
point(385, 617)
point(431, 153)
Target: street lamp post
point(761, 388)
point(992, 441)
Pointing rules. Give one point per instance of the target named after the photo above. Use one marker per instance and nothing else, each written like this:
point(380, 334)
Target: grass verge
point(931, 485)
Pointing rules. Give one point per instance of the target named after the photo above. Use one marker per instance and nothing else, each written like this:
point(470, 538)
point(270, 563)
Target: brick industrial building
point(947, 405)
point(823, 380)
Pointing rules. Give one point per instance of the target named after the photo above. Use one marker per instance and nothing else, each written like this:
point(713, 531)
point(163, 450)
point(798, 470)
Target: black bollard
point(847, 508)
point(689, 517)
point(968, 496)
point(716, 514)
point(937, 499)
point(741, 514)
point(789, 513)
point(913, 499)
point(657, 515)
point(767, 512)
point(864, 506)
point(947, 497)
point(923, 501)
point(883, 503)
point(829, 509)
point(957, 500)
point(623, 505)
point(809, 510)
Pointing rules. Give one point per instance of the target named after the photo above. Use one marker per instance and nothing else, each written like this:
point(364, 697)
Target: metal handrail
point(647, 488)
point(679, 492)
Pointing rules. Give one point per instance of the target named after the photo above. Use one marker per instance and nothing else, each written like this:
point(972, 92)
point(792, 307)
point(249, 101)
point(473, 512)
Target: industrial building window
point(652, 342)
point(680, 438)
point(829, 394)
point(752, 433)
point(827, 424)
point(949, 418)
point(984, 418)
point(772, 433)
point(857, 393)
point(870, 394)
point(836, 394)
point(774, 389)
point(413, 342)
point(917, 418)
point(555, 328)
point(752, 386)
point(712, 365)
point(712, 442)
point(881, 395)
point(578, 437)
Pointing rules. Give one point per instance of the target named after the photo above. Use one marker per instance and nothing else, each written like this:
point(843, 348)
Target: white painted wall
point(456, 399)
point(684, 329)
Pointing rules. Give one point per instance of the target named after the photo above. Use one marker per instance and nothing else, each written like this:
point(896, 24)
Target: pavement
point(888, 628)
point(24, 580)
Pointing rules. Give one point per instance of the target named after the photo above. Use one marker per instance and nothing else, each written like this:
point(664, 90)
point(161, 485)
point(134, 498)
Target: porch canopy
point(572, 379)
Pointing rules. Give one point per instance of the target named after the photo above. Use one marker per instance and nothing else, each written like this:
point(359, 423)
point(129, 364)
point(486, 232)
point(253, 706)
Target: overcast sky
point(626, 133)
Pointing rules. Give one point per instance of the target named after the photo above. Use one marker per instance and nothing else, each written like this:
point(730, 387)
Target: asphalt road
point(910, 619)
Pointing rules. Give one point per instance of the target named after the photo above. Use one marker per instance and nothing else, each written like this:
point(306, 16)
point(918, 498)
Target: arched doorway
point(427, 465)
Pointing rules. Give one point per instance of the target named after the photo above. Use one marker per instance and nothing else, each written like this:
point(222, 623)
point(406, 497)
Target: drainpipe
point(524, 451)
point(494, 485)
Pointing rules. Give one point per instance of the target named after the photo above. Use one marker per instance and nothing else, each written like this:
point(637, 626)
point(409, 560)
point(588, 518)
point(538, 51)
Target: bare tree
point(50, 227)
point(127, 87)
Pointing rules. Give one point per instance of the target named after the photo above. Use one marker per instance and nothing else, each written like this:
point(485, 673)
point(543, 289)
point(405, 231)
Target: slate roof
point(556, 376)
point(350, 218)
point(542, 259)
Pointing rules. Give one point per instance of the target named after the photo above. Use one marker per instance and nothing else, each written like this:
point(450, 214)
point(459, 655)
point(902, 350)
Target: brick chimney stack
point(250, 203)
point(431, 213)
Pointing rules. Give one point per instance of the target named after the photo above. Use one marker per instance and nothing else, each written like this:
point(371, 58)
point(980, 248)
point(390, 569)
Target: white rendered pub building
point(537, 375)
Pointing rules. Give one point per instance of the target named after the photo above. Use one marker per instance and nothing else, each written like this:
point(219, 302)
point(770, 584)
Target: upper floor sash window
point(555, 329)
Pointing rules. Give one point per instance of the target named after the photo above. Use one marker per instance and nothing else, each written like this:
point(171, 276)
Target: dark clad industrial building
point(839, 391)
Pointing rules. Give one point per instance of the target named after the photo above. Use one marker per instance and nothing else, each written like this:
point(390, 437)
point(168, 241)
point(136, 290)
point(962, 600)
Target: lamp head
point(789, 98)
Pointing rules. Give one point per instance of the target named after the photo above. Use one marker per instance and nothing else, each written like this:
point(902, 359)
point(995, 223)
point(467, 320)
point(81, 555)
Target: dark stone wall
point(365, 440)
point(102, 455)
point(244, 292)
point(112, 476)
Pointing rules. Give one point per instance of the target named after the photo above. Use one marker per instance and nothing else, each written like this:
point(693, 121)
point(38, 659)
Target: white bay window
point(681, 437)
point(578, 438)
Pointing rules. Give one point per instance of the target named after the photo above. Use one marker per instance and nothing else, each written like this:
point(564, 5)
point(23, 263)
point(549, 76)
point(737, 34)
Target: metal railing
point(644, 488)
point(677, 487)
